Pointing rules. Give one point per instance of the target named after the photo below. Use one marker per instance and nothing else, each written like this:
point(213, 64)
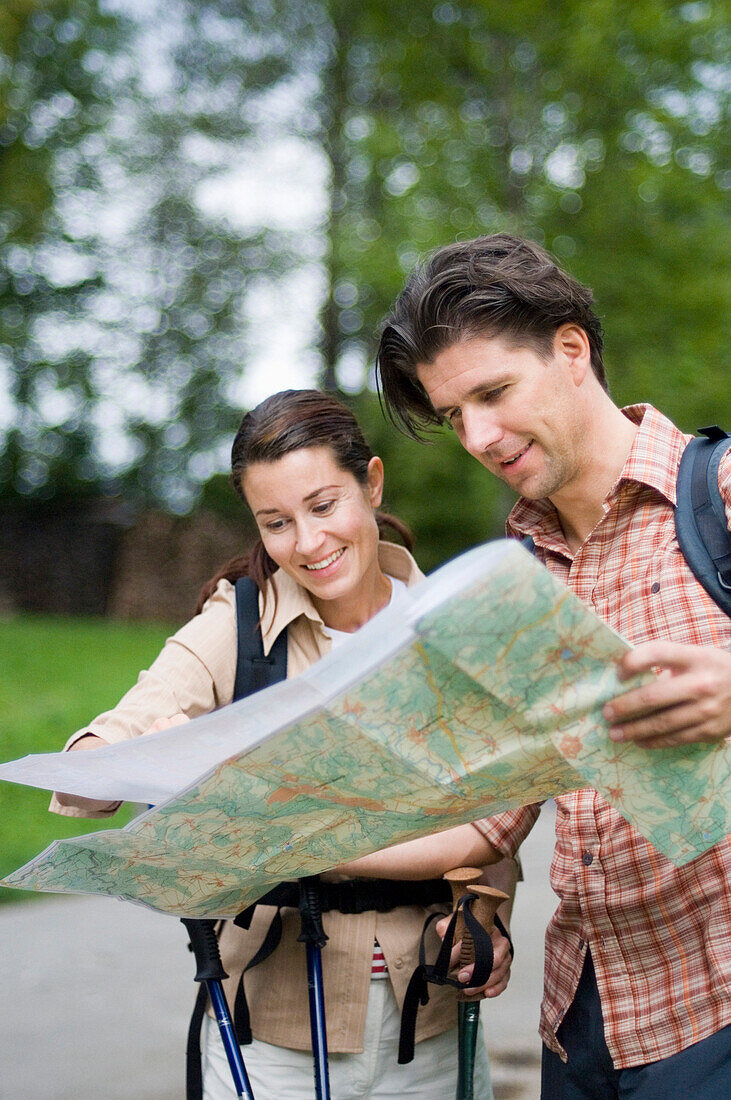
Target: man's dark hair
point(491, 286)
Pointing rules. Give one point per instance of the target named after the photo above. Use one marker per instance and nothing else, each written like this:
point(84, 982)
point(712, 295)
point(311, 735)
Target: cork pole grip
point(464, 880)
point(459, 879)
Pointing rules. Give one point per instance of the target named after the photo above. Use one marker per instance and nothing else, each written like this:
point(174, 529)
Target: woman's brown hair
point(285, 422)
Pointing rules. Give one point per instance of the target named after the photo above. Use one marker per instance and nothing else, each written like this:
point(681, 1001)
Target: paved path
point(96, 995)
point(511, 1021)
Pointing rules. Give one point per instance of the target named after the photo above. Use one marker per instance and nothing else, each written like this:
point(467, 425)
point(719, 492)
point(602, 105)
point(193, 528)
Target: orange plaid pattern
point(660, 936)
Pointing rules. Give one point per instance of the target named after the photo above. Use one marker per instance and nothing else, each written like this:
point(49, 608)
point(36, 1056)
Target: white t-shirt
point(397, 589)
point(379, 968)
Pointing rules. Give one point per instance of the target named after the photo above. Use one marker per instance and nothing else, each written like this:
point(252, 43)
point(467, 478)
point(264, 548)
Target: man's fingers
point(669, 712)
point(648, 699)
point(673, 719)
point(690, 701)
point(648, 655)
point(676, 727)
point(673, 740)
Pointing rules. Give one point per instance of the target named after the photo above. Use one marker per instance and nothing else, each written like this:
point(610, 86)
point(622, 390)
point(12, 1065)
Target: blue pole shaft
point(317, 1021)
point(229, 1040)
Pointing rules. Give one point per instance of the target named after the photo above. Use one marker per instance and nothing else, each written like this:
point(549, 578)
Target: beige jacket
point(195, 674)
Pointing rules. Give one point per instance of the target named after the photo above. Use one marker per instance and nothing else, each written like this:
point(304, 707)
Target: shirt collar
point(652, 461)
point(655, 454)
point(287, 600)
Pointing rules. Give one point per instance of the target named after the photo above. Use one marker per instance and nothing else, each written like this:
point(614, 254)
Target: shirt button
point(587, 859)
point(398, 963)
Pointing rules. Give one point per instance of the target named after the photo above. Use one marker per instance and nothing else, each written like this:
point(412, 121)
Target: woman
point(301, 464)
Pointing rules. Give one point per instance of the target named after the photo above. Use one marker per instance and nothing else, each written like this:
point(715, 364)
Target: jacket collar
point(286, 600)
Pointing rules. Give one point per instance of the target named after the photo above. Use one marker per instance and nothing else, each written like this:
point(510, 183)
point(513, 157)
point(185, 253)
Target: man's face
point(516, 413)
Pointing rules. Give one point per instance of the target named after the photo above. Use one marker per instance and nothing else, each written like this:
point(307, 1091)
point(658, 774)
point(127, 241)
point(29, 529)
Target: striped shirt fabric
point(379, 969)
point(660, 936)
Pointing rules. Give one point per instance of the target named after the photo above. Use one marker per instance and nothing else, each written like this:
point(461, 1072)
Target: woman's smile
point(326, 566)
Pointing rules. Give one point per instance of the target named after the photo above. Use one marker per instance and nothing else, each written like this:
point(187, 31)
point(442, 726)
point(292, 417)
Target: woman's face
point(316, 521)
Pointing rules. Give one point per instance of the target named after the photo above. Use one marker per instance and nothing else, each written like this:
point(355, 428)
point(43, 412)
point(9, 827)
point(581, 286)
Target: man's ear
point(375, 481)
point(572, 344)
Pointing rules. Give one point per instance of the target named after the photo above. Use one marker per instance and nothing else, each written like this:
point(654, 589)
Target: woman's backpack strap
point(254, 671)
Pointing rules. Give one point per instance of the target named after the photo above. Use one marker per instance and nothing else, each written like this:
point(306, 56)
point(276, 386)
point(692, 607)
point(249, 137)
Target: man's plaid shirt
point(660, 936)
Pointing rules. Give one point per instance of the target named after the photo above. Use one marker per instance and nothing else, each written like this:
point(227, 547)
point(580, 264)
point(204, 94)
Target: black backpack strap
point(254, 672)
point(193, 1069)
point(242, 1019)
point(700, 517)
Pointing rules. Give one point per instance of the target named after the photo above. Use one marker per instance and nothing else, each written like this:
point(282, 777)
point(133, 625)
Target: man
point(491, 337)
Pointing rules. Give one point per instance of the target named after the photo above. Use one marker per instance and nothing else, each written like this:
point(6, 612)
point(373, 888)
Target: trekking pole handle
point(459, 879)
point(465, 880)
point(204, 945)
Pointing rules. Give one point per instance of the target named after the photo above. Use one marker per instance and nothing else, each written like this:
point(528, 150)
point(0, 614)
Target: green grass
point(56, 674)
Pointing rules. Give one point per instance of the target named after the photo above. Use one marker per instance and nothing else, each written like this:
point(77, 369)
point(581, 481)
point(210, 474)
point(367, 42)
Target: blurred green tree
point(122, 326)
point(593, 127)
point(204, 112)
point(51, 98)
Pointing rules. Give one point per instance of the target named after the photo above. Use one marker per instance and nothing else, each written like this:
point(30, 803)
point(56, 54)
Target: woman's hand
point(500, 976)
point(77, 801)
point(93, 741)
point(167, 723)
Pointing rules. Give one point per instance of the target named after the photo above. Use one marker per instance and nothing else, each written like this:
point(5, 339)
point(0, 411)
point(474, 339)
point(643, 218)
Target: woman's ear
point(375, 481)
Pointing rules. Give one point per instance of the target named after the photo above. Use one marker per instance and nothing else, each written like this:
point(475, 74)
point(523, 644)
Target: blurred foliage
point(593, 126)
point(217, 495)
point(49, 99)
point(121, 301)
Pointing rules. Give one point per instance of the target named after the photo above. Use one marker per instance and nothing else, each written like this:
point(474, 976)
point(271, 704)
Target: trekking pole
point(464, 881)
point(314, 939)
point(210, 970)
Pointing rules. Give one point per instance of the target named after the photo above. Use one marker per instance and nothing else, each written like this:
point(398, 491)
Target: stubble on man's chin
point(551, 481)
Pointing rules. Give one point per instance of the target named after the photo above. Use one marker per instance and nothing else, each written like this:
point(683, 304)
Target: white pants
point(277, 1073)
